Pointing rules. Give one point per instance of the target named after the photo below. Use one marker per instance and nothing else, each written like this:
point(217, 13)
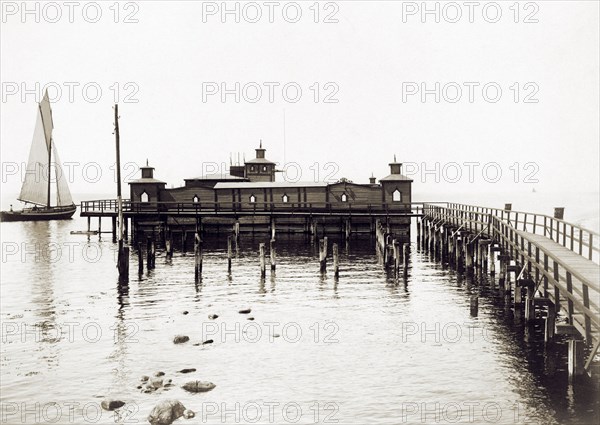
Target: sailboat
point(37, 184)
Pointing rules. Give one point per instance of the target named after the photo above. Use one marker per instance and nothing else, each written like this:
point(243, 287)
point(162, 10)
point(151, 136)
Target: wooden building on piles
point(249, 198)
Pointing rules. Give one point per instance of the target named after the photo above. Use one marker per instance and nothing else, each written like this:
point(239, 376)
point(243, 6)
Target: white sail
point(63, 194)
point(35, 182)
point(44, 170)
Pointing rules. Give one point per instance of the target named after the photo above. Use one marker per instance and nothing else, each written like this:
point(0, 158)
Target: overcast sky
point(367, 67)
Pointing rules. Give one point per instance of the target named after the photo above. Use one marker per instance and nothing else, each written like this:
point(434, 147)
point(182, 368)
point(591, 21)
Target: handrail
point(578, 239)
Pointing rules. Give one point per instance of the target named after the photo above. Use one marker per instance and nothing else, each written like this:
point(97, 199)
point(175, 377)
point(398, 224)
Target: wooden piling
point(405, 258)
point(549, 325)
point(323, 254)
point(229, 253)
point(114, 229)
point(347, 228)
point(197, 257)
point(529, 306)
point(236, 230)
point(261, 258)
point(140, 259)
point(474, 305)
point(272, 229)
point(273, 254)
point(396, 245)
point(89, 223)
point(336, 261)
point(576, 358)
point(169, 247)
point(125, 229)
point(150, 253)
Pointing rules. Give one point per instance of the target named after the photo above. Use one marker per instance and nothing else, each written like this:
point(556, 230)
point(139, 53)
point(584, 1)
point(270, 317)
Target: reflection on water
point(365, 348)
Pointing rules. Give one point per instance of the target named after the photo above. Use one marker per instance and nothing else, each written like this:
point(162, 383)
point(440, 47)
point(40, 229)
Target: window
point(344, 197)
point(264, 168)
point(285, 199)
point(144, 197)
point(396, 196)
point(196, 199)
point(252, 199)
point(252, 168)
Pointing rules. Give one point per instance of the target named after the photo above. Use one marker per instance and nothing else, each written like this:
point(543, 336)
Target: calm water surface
point(365, 349)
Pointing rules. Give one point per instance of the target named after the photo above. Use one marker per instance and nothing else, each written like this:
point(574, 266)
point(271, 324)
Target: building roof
point(259, 161)
point(147, 180)
point(217, 176)
point(267, 185)
point(395, 177)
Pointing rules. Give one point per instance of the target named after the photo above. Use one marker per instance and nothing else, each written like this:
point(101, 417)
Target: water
point(367, 349)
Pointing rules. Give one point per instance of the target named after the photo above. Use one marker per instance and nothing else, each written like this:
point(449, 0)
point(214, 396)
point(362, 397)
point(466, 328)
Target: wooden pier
point(554, 266)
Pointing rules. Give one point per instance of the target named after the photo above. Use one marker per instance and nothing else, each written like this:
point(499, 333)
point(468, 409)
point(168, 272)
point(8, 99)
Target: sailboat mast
point(49, 169)
point(49, 146)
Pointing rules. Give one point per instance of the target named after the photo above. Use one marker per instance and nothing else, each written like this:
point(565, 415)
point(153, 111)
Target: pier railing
point(109, 206)
point(574, 277)
point(578, 239)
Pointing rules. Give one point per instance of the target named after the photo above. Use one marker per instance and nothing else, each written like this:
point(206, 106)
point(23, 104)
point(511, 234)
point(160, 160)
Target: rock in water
point(198, 386)
point(245, 311)
point(112, 404)
point(213, 316)
point(159, 374)
point(166, 412)
point(180, 339)
point(187, 370)
point(208, 341)
point(185, 312)
point(250, 318)
point(188, 414)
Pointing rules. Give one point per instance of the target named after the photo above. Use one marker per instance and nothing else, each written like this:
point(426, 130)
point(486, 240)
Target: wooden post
point(273, 254)
point(576, 358)
point(100, 227)
point(272, 230)
point(529, 306)
point(125, 228)
point(169, 248)
point(419, 233)
point(183, 240)
point(336, 261)
point(474, 304)
point(347, 229)
point(236, 230)
point(150, 253)
point(229, 253)
point(89, 220)
point(114, 229)
point(261, 258)
point(459, 255)
point(396, 245)
point(405, 258)
point(197, 257)
point(323, 254)
point(140, 259)
point(550, 324)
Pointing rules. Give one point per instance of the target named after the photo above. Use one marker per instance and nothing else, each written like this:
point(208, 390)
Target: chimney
point(372, 179)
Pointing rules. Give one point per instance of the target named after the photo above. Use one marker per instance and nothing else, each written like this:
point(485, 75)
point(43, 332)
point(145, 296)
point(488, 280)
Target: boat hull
point(40, 214)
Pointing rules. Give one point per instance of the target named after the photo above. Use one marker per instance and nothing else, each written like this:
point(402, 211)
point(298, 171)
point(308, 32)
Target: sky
point(497, 98)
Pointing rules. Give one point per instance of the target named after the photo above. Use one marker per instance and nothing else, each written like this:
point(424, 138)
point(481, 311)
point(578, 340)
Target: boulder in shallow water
point(111, 405)
point(188, 414)
point(166, 412)
point(187, 370)
point(245, 311)
point(208, 341)
point(198, 386)
point(180, 339)
point(213, 316)
point(159, 374)
point(155, 382)
point(144, 378)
